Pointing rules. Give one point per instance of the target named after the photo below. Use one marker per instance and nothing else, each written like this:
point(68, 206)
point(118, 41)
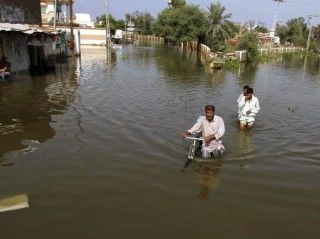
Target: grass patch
point(231, 65)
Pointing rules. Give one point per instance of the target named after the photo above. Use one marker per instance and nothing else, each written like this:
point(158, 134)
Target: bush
point(231, 65)
point(250, 42)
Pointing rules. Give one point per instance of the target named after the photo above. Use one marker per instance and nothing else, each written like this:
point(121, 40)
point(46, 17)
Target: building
point(84, 20)
point(48, 11)
point(265, 39)
point(130, 26)
point(23, 42)
point(20, 11)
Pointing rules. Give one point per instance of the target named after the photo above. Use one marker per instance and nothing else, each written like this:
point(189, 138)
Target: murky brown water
point(98, 151)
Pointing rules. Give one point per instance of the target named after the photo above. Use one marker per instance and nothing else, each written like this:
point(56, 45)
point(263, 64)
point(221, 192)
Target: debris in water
point(16, 120)
point(124, 56)
point(35, 141)
point(291, 109)
point(14, 203)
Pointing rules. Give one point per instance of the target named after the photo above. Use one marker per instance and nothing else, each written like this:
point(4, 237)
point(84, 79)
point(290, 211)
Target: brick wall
point(20, 11)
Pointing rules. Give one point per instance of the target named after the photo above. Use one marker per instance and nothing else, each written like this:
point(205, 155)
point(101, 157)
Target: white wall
point(90, 36)
point(83, 19)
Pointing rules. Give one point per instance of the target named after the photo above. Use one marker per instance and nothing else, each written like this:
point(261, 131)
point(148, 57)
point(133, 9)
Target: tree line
point(212, 26)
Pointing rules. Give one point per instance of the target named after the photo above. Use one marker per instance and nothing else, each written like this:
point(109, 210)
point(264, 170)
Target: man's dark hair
point(250, 91)
point(246, 87)
point(209, 107)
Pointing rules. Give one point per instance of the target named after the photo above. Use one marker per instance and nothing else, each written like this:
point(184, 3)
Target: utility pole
point(71, 26)
point(55, 14)
point(108, 33)
point(310, 30)
point(276, 16)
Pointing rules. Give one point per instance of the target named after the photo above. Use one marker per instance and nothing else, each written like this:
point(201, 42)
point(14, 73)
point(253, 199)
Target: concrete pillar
point(78, 42)
point(67, 13)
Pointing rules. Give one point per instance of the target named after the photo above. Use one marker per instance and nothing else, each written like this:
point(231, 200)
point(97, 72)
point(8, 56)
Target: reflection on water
point(97, 149)
point(207, 175)
point(27, 105)
point(245, 146)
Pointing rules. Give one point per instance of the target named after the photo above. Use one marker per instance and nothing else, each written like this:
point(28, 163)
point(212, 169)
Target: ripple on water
point(115, 145)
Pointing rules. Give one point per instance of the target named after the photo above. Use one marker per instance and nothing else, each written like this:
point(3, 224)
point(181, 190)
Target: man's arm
point(197, 128)
point(221, 129)
point(256, 107)
point(242, 103)
point(239, 99)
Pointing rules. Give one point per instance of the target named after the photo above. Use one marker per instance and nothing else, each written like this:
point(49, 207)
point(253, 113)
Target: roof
point(23, 28)
point(8, 27)
point(59, 1)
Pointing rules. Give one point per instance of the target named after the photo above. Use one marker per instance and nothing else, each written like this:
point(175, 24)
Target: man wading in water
point(212, 128)
point(248, 108)
point(245, 89)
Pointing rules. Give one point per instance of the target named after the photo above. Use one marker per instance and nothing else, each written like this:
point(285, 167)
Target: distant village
point(34, 33)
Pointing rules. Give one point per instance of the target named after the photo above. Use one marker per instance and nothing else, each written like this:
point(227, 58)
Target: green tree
point(295, 31)
point(261, 29)
point(220, 28)
point(249, 42)
point(183, 24)
point(114, 24)
point(298, 31)
point(178, 3)
point(316, 33)
point(143, 21)
point(282, 32)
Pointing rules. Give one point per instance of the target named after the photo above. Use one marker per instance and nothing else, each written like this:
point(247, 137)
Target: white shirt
point(238, 101)
point(240, 98)
point(244, 106)
point(215, 127)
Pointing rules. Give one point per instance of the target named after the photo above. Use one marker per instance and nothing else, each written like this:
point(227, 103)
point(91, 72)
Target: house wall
point(20, 11)
point(16, 51)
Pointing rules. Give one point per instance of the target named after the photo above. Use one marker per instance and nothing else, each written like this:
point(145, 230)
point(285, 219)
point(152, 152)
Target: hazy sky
point(242, 10)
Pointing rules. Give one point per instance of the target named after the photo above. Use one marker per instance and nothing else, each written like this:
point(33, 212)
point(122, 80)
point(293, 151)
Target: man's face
point(244, 91)
point(209, 115)
point(249, 95)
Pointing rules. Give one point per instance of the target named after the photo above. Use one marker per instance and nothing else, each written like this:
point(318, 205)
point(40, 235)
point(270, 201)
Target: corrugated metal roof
point(8, 27)
point(24, 28)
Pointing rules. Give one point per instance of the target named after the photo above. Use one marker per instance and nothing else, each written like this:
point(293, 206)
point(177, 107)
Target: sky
point(242, 10)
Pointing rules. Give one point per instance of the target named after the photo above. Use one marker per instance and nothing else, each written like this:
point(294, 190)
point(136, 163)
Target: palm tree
point(220, 27)
point(316, 33)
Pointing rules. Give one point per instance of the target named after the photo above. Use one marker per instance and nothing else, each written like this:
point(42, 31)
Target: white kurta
point(238, 101)
point(215, 127)
point(244, 106)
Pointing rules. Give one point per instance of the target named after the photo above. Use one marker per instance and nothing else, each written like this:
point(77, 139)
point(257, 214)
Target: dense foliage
point(183, 22)
point(220, 28)
point(249, 42)
point(294, 32)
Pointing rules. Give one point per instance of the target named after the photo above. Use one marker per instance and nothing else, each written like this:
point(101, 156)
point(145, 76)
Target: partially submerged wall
point(16, 51)
point(20, 11)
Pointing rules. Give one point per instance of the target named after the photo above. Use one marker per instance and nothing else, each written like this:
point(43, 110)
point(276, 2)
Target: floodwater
point(97, 149)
